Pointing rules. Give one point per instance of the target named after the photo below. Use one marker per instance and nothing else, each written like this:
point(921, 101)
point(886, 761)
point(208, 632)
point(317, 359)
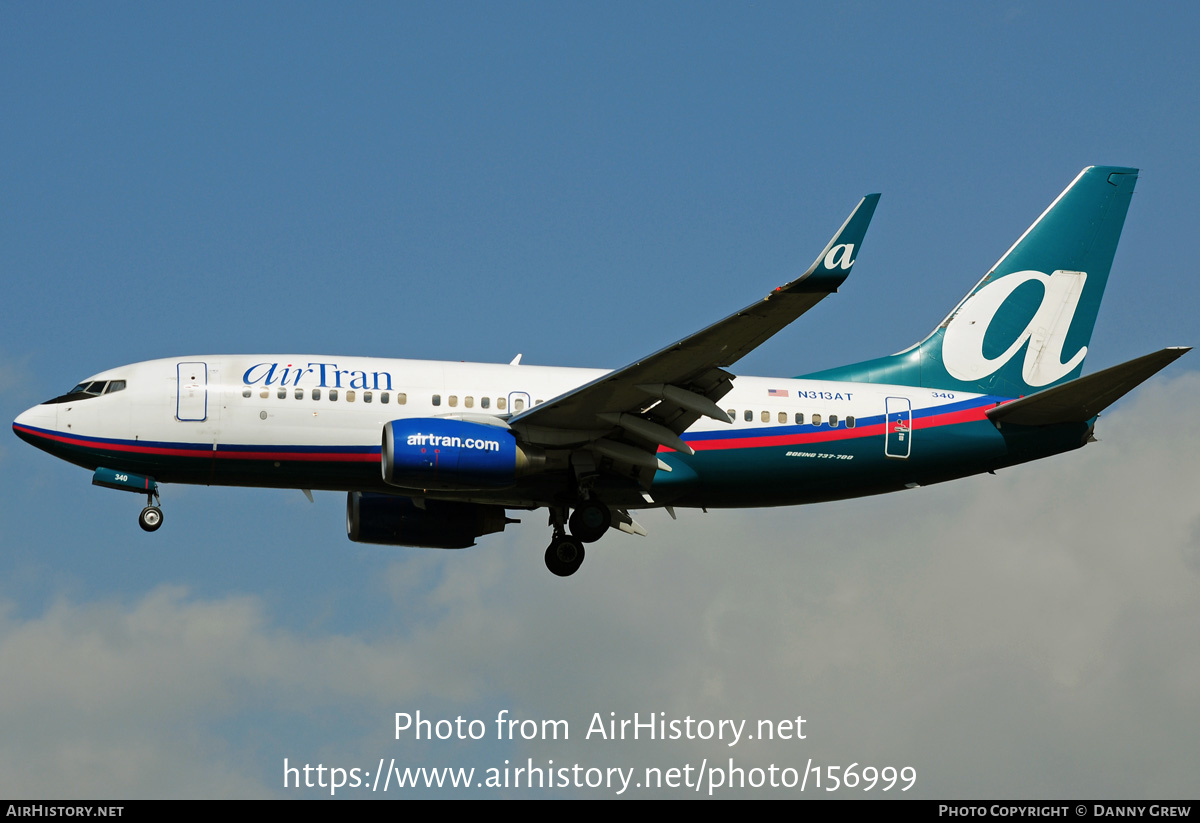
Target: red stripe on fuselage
point(760, 441)
point(203, 454)
point(765, 440)
point(951, 418)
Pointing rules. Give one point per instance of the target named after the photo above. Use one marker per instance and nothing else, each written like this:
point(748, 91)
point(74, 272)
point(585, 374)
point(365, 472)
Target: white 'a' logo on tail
point(840, 256)
point(1046, 332)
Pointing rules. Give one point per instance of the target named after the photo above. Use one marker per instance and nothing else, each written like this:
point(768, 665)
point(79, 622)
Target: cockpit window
point(94, 388)
point(88, 390)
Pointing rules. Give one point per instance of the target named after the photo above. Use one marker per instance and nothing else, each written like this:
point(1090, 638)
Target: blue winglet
point(832, 266)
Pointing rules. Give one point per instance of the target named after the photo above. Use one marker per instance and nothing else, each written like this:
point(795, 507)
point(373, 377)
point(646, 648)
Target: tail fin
point(1041, 297)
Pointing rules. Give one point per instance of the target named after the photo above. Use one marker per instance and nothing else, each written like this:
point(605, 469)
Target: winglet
point(832, 266)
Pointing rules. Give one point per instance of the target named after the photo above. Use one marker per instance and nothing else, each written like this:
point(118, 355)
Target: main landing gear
point(588, 524)
point(564, 556)
point(590, 521)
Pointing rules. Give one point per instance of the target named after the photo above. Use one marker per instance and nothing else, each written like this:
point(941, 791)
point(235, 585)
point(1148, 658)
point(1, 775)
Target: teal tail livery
point(1026, 325)
point(437, 454)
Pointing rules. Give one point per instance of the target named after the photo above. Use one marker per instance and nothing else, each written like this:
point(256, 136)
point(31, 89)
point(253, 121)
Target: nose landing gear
point(151, 517)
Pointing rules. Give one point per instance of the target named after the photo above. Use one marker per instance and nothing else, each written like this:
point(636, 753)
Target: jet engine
point(436, 524)
point(448, 454)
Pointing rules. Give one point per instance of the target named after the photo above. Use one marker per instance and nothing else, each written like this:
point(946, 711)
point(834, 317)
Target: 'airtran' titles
point(318, 375)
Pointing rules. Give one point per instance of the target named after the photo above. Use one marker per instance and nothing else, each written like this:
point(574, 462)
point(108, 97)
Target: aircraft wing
point(652, 400)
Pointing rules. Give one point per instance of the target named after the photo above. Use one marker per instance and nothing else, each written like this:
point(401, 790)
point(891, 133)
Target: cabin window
point(469, 402)
point(282, 393)
point(367, 397)
point(833, 418)
point(816, 418)
point(850, 421)
point(401, 398)
point(799, 418)
point(316, 395)
point(437, 400)
point(732, 414)
point(783, 417)
point(264, 394)
point(485, 402)
point(518, 404)
point(246, 392)
point(766, 417)
point(749, 415)
point(501, 403)
point(453, 400)
point(333, 394)
point(350, 396)
point(299, 394)
point(383, 397)
point(537, 402)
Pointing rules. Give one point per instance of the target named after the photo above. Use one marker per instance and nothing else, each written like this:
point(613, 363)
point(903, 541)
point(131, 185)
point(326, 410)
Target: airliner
point(436, 454)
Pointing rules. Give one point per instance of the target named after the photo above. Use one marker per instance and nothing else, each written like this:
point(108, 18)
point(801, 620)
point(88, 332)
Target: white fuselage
point(315, 422)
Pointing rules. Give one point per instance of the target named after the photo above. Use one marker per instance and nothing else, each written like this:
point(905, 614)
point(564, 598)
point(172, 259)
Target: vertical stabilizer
point(1026, 325)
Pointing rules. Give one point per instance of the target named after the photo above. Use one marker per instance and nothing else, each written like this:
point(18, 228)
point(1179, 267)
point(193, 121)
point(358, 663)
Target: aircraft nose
point(39, 417)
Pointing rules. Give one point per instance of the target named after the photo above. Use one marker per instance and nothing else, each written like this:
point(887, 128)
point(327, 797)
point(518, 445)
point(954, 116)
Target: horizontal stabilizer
point(1080, 400)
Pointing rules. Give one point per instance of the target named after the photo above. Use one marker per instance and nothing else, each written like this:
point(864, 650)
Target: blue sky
point(584, 184)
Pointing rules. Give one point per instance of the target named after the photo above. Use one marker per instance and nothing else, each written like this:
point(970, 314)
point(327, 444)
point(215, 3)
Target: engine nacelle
point(439, 453)
point(440, 524)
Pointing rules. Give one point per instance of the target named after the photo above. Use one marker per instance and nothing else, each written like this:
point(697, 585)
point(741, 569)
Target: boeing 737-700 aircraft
point(432, 454)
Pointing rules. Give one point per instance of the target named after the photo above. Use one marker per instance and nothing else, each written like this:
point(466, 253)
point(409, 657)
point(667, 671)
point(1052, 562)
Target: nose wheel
point(150, 518)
